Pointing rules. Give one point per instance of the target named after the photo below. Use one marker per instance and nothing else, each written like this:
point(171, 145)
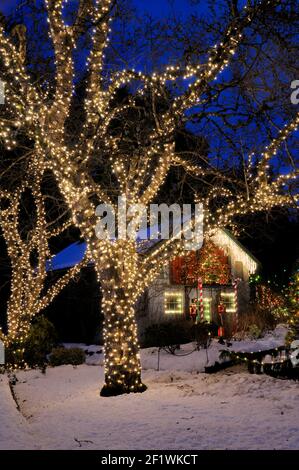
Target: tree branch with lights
point(136, 170)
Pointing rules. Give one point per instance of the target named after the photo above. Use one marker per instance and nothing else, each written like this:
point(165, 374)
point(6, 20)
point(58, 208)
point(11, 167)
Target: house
point(217, 276)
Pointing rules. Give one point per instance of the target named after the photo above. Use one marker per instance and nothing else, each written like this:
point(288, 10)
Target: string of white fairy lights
point(27, 287)
point(44, 121)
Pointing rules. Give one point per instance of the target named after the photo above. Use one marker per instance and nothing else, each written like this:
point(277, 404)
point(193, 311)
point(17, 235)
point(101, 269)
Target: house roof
point(235, 240)
point(74, 253)
point(68, 257)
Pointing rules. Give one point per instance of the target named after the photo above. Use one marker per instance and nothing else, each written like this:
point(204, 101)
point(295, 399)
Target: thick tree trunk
point(122, 356)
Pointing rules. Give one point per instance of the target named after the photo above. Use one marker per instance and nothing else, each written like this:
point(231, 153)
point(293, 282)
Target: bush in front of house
point(290, 337)
point(40, 342)
point(33, 351)
point(166, 334)
point(266, 319)
point(14, 356)
point(202, 334)
point(254, 332)
point(255, 322)
point(63, 356)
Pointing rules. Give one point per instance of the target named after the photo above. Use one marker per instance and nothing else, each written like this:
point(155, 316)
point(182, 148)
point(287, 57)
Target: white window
point(173, 303)
point(228, 298)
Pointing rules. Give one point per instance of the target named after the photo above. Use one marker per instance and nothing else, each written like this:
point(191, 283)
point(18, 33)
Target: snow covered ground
point(182, 408)
point(196, 361)
point(15, 432)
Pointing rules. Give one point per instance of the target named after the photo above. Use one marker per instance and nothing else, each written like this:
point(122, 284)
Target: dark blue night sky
point(154, 7)
point(7, 5)
point(162, 8)
point(157, 8)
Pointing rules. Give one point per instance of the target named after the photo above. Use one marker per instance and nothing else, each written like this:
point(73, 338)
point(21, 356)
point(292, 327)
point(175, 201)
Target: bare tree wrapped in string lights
point(28, 248)
point(137, 173)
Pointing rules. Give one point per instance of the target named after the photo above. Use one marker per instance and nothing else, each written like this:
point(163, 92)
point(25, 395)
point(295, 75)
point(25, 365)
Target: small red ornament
point(193, 310)
point(220, 331)
point(221, 312)
point(221, 309)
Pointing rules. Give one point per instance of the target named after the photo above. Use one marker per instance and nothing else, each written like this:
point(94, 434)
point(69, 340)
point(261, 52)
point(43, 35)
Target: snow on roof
point(74, 253)
point(68, 257)
point(238, 252)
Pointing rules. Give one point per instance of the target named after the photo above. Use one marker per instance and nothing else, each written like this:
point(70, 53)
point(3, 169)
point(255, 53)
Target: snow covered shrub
point(62, 356)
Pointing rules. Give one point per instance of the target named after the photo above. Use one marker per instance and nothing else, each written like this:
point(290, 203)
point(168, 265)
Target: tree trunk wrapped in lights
point(137, 170)
point(122, 359)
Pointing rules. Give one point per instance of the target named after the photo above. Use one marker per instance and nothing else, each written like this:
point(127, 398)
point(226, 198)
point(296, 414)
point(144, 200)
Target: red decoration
point(220, 332)
point(221, 309)
point(210, 264)
point(193, 310)
point(267, 298)
point(200, 297)
point(236, 316)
